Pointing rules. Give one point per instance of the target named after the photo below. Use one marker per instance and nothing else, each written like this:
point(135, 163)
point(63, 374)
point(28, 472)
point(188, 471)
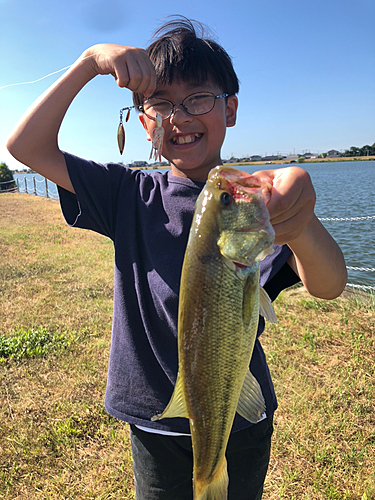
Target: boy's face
point(193, 143)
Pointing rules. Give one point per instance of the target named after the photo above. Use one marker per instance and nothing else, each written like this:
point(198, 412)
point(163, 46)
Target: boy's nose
point(180, 115)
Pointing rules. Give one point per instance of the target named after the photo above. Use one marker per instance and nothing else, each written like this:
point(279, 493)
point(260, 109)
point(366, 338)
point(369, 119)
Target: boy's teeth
point(186, 139)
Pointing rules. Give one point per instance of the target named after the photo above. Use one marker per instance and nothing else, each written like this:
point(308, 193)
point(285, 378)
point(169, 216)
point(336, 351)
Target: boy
point(148, 217)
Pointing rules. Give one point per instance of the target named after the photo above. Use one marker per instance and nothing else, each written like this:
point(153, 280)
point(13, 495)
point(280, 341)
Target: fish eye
point(225, 198)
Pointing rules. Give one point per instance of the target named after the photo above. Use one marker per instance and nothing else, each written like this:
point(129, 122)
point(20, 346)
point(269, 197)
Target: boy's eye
point(199, 98)
point(200, 103)
point(160, 106)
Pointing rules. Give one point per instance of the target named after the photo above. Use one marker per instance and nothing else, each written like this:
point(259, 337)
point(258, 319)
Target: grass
point(56, 440)
point(321, 355)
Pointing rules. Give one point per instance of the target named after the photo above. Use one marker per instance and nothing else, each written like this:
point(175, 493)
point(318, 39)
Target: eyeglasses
point(196, 104)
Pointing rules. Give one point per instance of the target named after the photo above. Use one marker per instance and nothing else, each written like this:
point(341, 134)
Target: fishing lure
point(121, 130)
point(157, 136)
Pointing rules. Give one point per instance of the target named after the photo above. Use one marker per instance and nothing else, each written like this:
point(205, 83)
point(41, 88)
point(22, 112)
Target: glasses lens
point(153, 106)
point(199, 103)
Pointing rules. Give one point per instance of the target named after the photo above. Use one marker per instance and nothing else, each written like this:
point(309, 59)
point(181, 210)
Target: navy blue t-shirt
point(148, 218)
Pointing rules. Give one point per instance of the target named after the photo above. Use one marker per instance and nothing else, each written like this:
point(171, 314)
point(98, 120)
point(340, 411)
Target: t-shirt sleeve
point(275, 272)
point(97, 187)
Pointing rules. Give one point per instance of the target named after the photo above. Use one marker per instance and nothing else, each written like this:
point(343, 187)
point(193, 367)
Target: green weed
point(34, 343)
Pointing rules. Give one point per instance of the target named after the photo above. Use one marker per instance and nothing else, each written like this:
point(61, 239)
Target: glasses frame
point(173, 106)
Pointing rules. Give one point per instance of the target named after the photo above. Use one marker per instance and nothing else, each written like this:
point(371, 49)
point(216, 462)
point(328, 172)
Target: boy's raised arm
point(34, 139)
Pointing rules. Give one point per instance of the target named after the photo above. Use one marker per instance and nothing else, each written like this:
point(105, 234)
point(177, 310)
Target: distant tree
point(366, 150)
point(6, 176)
point(301, 159)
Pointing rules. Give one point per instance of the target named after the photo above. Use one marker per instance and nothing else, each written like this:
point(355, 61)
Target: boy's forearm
point(319, 261)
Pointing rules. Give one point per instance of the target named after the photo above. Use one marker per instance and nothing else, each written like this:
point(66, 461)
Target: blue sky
point(306, 69)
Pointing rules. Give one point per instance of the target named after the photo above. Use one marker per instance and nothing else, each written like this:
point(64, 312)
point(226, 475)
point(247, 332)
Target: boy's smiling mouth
point(186, 138)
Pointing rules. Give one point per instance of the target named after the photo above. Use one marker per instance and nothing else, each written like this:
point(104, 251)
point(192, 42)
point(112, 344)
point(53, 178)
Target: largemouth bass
point(219, 305)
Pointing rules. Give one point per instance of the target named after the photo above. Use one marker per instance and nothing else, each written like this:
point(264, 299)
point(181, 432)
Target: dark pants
point(163, 465)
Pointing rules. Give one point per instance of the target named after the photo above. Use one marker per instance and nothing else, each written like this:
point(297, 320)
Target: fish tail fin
point(217, 489)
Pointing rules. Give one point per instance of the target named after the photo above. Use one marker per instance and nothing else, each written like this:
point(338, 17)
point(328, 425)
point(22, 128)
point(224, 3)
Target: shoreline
point(277, 162)
point(311, 160)
point(236, 164)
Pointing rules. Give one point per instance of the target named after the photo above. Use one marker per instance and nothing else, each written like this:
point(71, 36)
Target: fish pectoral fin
point(251, 403)
point(177, 404)
point(265, 306)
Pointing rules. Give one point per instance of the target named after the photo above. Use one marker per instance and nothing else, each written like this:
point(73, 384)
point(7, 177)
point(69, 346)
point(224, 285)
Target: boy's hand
point(316, 257)
point(130, 66)
point(292, 201)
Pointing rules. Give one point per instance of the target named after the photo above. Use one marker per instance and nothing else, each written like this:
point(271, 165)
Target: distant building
point(291, 158)
point(333, 153)
point(308, 156)
point(140, 164)
point(270, 158)
point(255, 158)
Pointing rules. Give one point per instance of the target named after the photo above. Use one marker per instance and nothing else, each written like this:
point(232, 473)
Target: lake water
point(345, 190)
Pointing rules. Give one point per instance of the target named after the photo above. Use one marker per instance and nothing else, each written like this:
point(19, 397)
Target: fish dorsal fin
point(177, 404)
point(251, 403)
point(265, 306)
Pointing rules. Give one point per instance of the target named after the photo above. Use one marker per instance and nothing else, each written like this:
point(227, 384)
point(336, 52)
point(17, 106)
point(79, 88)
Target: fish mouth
point(186, 138)
point(241, 270)
point(240, 266)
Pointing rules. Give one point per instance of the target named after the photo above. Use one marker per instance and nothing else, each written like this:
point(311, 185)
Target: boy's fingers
point(150, 89)
point(147, 85)
point(136, 72)
point(292, 192)
point(144, 78)
point(291, 205)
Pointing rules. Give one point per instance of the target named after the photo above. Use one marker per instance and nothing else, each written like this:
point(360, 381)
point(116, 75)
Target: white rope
point(370, 269)
point(53, 196)
point(347, 218)
point(362, 287)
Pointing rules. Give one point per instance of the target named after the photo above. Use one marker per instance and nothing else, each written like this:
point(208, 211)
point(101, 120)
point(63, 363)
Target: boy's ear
point(231, 111)
point(143, 121)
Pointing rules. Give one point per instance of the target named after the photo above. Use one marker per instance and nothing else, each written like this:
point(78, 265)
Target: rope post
point(46, 184)
point(25, 185)
point(34, 185)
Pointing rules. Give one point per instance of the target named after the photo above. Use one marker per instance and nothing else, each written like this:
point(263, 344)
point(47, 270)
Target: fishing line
point(43, 77)
point(35, 81)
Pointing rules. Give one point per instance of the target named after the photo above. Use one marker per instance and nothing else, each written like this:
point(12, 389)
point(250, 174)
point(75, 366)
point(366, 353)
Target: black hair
point(183, 52)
